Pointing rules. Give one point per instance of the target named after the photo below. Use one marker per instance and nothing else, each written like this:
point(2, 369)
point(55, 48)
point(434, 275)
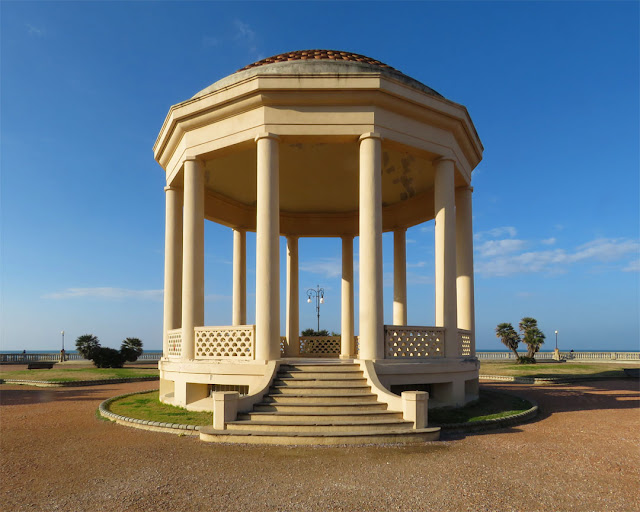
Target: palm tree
point(534, 338)
point(531, 335)
point(527, 323)
point(131, 349)
point(87, 345)
point(508, 336)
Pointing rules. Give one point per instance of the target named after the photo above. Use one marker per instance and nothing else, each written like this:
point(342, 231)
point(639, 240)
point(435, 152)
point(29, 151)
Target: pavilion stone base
point(450, 382)
point(189, 384)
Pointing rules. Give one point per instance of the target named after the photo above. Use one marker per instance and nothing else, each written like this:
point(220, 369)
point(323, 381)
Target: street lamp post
point(318, 295)
point(62, 358)
point(556, 340)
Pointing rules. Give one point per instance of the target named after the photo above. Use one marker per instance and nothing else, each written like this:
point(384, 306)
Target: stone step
point(311, 367)
point(307, 408)
point(302, 390)
point(320, 403)
point(296, 375)
point(333, 399)
point(209, 434)
point(320, 383)
point(320, 426)
point(319, 416)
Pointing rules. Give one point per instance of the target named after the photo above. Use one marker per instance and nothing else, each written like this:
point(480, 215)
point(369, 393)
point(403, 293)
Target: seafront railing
point(483, 356)
point(55, 356)
point(570, 356)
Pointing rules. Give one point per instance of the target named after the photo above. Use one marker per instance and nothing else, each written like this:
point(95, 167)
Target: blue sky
point(552, 88)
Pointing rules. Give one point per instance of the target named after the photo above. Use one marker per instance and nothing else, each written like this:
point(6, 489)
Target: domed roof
point(318, 55)
point(318, 61)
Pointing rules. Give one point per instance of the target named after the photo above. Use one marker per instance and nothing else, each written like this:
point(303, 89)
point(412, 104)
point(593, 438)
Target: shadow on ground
point(33, 395)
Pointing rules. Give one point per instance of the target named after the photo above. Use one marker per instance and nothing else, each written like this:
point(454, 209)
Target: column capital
point(400, 229)
point(464, 188)
point(369, 135)
point(191, 158)
point(445, 158)
point(267, 135)
point(171, 188)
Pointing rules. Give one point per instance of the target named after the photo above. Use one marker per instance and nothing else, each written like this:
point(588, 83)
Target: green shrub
point(313, 332)
point(89, 347)
point(108, 358)
point(526, 360)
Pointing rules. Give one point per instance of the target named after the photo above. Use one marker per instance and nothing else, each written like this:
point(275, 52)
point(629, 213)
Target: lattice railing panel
point(235, 342)
point(175, 342)
point(320, 346)
point(414, 342)
point(464, 342)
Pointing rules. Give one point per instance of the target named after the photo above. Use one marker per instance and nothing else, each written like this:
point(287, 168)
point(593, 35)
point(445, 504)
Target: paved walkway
point(582, 453)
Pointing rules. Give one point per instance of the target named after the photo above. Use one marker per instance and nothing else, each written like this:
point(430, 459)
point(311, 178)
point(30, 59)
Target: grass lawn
point(76, 374)
point(542, 370)
point(491, 405)
point(147, 406)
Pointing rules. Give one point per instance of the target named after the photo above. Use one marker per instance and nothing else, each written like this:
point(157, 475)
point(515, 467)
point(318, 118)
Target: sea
point(56, 350)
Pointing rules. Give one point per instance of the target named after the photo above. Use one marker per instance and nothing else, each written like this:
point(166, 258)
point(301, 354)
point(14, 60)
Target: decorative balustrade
point(417, 342)
point(20, 358)
point(319, 346)
point(464, 342)
point(150, 356)
point(575, 356)
point(615, 356)
point(232, 342)
point(495, 356)
point(29, 358)
point(175, 342)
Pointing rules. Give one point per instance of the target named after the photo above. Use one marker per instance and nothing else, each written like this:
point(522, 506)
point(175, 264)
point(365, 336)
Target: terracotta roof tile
point(318, 55)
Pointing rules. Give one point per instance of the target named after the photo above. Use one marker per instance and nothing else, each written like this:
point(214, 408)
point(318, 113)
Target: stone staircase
point(319, 403)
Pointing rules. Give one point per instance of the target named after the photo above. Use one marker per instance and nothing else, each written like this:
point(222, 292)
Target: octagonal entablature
point(319, 108)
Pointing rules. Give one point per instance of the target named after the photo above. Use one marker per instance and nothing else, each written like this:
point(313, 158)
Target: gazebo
point(317, 143)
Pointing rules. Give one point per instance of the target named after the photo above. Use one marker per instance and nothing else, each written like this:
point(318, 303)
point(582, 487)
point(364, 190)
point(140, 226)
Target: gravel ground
point(582, 453)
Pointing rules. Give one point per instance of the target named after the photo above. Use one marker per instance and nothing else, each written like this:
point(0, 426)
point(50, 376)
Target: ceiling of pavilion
point(319, 177)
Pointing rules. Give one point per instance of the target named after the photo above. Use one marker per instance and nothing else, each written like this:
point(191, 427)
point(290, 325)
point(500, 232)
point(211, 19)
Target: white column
point(239, 311)
point(445, 254)
point(267, 249)
point(370, 225)
point(192, 254)
point(400, 277)
point(292, 346)
point(347, 348)
point(172, 264)
point(464, 262)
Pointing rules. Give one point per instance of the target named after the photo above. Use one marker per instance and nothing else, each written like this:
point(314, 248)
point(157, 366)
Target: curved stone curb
point(495, 423)
point(546, 380)
point(73, 383)
point(181, 429)
point(506, 421)
point(172, 428)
